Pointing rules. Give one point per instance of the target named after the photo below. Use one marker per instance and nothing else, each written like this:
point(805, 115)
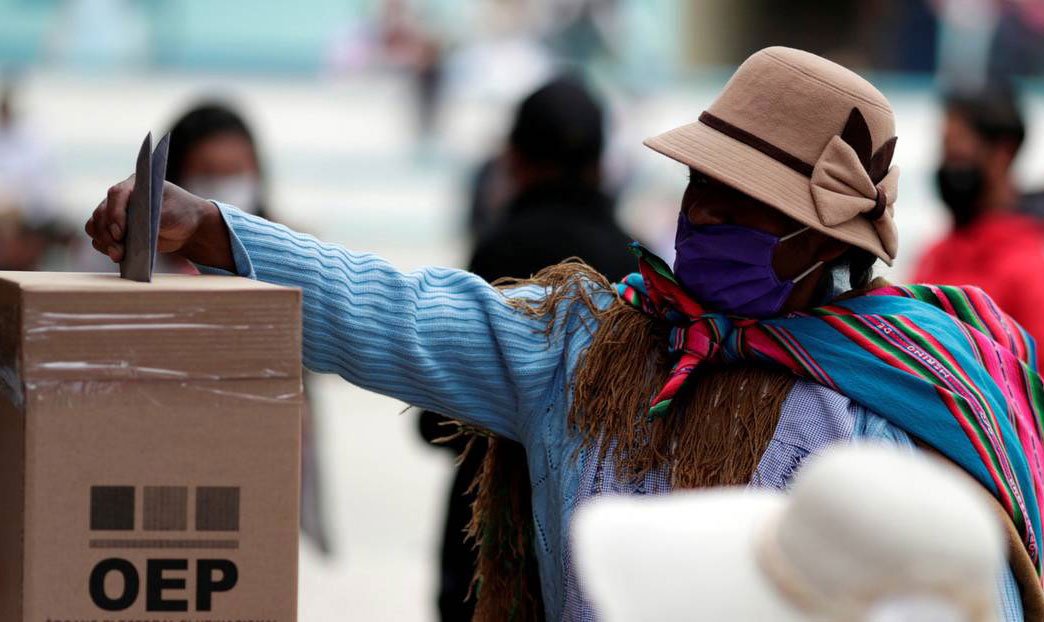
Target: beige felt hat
point(868, 533)
point(806, 136)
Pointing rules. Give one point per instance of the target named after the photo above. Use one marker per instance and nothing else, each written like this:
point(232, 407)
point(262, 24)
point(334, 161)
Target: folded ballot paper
point(143, 211)
point(149, 440)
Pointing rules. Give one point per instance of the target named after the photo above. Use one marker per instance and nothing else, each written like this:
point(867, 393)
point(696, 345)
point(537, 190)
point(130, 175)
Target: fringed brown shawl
point(715, 437)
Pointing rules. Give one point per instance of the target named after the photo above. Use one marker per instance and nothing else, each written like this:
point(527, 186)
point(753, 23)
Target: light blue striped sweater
point(445, 340)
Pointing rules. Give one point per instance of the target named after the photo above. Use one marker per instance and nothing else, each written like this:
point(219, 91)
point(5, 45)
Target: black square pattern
point(217, 508)
point(112, 508)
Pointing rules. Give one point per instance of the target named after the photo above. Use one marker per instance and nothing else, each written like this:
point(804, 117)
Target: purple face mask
point(729, 268)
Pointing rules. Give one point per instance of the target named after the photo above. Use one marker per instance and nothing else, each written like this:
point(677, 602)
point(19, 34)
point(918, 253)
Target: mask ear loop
point(814, 267)
point(793, 235)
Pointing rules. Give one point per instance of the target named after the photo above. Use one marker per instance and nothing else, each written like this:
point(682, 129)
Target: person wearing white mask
point(213, 154)
point(875, 553)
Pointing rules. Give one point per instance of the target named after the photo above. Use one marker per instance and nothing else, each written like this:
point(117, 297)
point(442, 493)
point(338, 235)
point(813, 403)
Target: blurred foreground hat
point(867, 533)
point(806, 136)
point(560, 124)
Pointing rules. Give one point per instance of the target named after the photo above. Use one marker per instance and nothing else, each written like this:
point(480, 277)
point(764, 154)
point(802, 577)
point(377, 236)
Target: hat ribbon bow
point(848, 181)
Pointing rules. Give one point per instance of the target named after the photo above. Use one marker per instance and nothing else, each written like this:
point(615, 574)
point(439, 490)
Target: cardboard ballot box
point(149, 448)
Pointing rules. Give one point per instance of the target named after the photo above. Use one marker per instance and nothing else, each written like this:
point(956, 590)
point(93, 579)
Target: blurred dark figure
point(553, 170)
point(994, 244)
point(428, 80)
point(213, 154)
point(489, 194)
point(408, 43)
point(552, 167)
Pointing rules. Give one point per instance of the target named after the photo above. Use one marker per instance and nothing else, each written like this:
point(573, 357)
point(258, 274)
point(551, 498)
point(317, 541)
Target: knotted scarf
point(943, 364)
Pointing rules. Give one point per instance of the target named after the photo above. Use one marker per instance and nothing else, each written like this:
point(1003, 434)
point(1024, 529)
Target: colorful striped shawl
point(944, 364)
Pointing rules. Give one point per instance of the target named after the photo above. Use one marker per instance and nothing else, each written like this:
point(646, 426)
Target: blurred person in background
point(28, 178)
point(583, 31)
point(1018, 44)
point(408, 42)
point(981, 41)
point(213, 154)
point(994, 244)
point(556, 210)
point(767, 341)
point(967, 30)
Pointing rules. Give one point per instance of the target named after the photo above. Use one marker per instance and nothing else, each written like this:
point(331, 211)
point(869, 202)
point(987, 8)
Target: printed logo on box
point(164, 510)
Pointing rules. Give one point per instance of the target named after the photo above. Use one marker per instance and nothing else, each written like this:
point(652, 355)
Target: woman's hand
point(189, 226)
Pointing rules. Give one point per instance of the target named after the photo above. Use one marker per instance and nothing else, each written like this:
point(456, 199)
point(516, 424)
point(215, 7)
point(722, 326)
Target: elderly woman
point(766, 342)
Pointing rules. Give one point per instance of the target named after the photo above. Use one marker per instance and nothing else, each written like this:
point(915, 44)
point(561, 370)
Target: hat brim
point(753, 173)
point(684, 556)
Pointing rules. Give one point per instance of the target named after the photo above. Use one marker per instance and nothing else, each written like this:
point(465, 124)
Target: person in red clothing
point(993, 245)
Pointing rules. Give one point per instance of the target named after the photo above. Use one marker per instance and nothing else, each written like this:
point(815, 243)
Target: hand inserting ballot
point(189, 226)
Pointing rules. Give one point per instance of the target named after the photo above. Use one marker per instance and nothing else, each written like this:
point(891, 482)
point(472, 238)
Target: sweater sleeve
point(437, 338)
